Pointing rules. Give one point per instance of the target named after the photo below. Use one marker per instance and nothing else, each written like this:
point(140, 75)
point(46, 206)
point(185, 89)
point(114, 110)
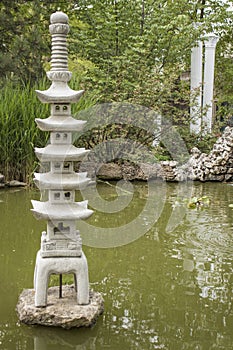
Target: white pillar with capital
point(196, 88)
point(208, 86)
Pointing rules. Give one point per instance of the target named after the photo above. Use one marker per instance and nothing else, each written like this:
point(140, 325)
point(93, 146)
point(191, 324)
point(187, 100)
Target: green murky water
point(169, 289)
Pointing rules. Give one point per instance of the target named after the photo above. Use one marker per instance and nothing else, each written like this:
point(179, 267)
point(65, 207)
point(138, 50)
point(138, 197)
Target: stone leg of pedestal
point(60, 265)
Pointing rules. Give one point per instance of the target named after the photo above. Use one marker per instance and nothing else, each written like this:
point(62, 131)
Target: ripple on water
point(211, 235)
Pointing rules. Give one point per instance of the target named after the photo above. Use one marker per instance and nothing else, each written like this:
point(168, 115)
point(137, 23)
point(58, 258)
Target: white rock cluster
point(215, 166)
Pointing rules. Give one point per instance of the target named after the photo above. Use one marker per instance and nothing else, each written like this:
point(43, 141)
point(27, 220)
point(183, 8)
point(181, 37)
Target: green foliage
point(139, 57)
point(20, 33)
point(118, 143)
point(204, 143)
point(131, 50)
point(24, 39)
point(19, 134)
point(134, 51)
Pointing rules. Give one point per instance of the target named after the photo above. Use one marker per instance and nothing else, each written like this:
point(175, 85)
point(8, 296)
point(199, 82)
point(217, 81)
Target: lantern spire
point(59, 74)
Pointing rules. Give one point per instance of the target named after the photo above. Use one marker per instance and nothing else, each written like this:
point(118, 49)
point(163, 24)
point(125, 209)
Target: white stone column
point(208, 88)
point(196, 88)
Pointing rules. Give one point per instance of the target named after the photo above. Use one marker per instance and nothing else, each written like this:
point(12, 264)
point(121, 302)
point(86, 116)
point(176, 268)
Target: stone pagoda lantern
point(61, 246)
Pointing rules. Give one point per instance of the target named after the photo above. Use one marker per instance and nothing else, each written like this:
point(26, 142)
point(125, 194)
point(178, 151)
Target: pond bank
point(12, 183)
point(215, 166)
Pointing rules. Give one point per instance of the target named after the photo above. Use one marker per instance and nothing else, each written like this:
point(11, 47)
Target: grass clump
point(19, 107)
point(19, 134)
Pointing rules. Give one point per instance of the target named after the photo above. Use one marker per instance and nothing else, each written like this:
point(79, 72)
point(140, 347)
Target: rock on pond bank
point(215, 166)
point(12, 183)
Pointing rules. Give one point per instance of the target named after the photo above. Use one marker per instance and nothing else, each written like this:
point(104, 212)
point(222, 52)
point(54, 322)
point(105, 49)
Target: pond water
point(171, 288)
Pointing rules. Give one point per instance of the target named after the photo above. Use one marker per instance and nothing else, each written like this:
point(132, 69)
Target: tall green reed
point(19, 134)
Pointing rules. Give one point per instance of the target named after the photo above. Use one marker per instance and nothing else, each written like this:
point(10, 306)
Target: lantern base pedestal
point(60, 312)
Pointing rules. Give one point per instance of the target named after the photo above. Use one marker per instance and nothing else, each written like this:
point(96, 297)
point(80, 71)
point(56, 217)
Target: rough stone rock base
point(62, 312)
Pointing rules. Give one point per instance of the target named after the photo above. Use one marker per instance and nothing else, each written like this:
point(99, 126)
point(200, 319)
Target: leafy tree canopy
point(132, 50)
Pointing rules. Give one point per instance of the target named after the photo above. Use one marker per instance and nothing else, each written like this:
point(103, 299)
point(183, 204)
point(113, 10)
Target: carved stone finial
point(59, 29)
point(58, 17)
point(59, 91)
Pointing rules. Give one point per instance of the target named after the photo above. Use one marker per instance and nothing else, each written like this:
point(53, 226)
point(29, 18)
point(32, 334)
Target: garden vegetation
point(134, 51)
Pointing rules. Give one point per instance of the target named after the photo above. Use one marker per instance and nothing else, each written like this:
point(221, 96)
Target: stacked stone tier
point(60, 152)
point(59, 92)
point(53, 181)
point(60, 123)
point(61, 211)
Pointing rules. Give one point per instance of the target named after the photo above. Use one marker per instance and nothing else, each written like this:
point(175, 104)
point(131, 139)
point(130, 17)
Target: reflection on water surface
point(166, 290)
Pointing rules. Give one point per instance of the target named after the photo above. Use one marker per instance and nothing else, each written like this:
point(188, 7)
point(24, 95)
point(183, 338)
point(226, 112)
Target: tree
point(137, 49)
point(24, 39)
